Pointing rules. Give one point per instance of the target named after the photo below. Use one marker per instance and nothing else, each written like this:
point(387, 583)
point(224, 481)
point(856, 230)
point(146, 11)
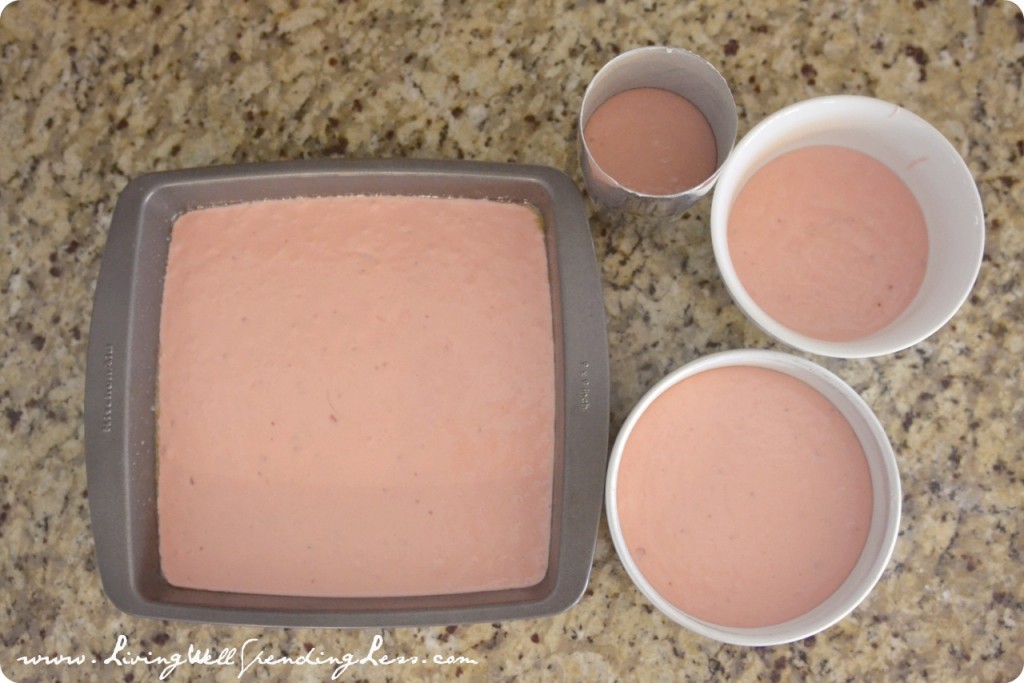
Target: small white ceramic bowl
point(885, 514)
point(923, 159)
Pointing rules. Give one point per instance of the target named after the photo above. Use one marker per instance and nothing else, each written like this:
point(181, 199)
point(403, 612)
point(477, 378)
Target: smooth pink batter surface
point(652, 141)
point(829, 242)
point(356, 398)
point(744, 496)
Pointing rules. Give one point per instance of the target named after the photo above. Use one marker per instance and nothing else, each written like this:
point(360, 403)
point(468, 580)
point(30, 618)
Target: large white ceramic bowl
point(922, 158)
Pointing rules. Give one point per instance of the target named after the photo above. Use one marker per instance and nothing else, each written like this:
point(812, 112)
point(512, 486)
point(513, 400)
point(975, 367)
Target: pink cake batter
point(829, 242)
point(356, 398)
point(652, 141)
point(744, 496)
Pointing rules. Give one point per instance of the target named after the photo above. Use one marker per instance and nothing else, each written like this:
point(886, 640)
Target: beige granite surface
point(94, 93)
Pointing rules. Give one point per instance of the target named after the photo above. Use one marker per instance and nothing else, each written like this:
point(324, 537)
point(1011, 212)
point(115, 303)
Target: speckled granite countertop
point(94, 93)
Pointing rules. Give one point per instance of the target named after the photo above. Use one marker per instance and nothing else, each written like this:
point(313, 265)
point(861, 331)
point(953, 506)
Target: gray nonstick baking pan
point(121, 379)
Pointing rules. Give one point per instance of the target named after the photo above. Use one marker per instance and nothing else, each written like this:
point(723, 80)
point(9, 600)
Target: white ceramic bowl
point(914, 150)
point(885, 514)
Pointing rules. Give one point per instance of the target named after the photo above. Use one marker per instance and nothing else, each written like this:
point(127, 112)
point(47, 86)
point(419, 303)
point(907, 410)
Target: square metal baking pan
point(121, 378)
